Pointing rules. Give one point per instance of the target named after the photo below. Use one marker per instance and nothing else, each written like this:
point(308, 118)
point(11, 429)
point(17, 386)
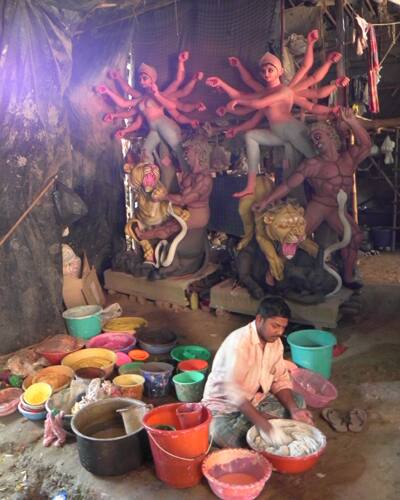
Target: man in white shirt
point(250, 359)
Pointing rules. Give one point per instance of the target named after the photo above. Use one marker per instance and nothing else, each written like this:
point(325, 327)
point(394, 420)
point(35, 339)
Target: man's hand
point(342, 82)
point(234, 61)
point(184, 56)
point(313, 36)
point(214, 82)
point(302, 416)
point(334, 57)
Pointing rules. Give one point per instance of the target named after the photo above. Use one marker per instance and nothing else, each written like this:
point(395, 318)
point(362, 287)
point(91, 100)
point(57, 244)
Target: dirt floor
point(361, 465)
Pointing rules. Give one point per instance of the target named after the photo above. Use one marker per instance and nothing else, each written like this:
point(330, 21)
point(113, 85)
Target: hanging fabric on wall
point(366, 39)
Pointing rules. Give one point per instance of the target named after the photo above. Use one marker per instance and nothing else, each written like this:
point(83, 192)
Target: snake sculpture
point(164, 256)
point(342, 199)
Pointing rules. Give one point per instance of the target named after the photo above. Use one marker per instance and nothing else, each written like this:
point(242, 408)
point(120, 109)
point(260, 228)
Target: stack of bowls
point(32, 404)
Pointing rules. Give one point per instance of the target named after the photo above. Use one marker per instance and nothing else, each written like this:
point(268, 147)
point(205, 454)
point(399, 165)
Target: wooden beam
point(340, 36)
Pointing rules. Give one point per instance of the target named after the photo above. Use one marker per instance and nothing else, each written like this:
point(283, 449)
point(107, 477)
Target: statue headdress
point(269, 58)
point(149, 70)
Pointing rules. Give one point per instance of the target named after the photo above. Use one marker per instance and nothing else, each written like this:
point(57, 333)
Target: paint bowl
point(126, 324)
point(197, 365)
point(86, 375)
point(236, 473)
point(9, 399)
point(58, 376)
point(285, 464)
point(157, 378)
point(317, 391)
point(138, 355)
point(32, 415)
point(133, 367)
point(122, 359)
point(117, 342)
point(157, 341)
point(130, 385)
point(189, 386)
point(93, 357)
point(57, 347)
point(183, 352)
point(83, 321)
point(37, 394)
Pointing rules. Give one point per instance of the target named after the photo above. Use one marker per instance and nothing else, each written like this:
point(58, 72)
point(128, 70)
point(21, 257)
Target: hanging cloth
point(373, 71)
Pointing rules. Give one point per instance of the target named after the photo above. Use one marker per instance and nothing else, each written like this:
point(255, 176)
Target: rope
point(27, 211)
point(182, 458)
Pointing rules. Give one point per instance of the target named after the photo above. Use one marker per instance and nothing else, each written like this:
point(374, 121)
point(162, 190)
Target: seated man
point(249, 358)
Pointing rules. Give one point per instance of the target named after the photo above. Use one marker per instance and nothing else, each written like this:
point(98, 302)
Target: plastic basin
point(83, 321)
point(133, 367)
point(93, 357)
point(313, 349)
point(56, 348)
point(156, 341)
point(183, 352)
point(316, 389)
point(236, 473)
point(130, 385)
point(198, 365)
point(289, 465)
point(117, 342)
point(125, 324)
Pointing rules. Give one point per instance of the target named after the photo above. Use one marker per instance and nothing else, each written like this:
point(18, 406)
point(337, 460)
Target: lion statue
point(153, 219)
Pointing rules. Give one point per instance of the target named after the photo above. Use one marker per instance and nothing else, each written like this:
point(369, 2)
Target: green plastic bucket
point(313, 349)
point(83, 321)
point(183, 352)
point(189, 386)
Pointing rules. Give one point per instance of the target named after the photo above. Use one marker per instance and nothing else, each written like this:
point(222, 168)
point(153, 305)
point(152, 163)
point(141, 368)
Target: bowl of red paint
point(236, 473)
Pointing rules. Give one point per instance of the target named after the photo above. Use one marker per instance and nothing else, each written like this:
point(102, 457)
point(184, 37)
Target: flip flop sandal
point(335, 419)
point(357, 420)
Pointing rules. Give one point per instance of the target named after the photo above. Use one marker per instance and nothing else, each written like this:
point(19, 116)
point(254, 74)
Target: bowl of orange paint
point(236, 473)
point(138, 355)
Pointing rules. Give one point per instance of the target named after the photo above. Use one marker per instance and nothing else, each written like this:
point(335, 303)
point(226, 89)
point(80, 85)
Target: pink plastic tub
point(316, 389)
point(117, 342)
point(236, 473)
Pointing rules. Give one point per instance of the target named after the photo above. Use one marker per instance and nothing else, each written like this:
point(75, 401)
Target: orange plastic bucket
point(177, 454)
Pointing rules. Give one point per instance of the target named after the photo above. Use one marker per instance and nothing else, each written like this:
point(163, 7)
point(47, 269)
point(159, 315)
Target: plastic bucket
point(83, 321)
point(130, 385)
point(189, 386)
point(198, 365)
point(177, 454)
point(133, 367)
point(104, 447)
point(157, 378)
point(189, 415)
point(313, 349)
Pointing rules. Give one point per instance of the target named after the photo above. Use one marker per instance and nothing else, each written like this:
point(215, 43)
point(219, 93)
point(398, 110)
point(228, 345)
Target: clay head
point(145, 70)
point(322, 134)
point(270, 59)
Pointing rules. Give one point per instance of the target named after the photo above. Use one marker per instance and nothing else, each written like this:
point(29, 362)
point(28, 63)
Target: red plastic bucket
point(177, 454)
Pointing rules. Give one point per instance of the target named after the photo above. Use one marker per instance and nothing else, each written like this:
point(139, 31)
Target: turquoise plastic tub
point(313, 349)
point(83, 321)
point(189, 386)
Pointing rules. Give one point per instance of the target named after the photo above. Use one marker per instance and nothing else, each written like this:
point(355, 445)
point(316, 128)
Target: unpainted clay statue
point(149, 105)
point(328, 173)
point(153, 219)
point(275, 101)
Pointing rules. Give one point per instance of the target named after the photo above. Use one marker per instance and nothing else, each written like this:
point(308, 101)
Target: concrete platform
point(172, 290)
point(230, 297)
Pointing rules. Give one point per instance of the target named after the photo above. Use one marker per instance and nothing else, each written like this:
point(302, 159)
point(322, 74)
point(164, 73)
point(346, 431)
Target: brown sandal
point(335, 419)
point(357, 420)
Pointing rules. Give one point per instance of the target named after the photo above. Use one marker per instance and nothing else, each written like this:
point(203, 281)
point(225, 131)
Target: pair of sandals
point(353, 420)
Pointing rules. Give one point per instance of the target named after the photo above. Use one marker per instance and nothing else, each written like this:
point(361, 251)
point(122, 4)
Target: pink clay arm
point(164, 101)
point(259, 103)
point(249, 124)
point(319, 74)
point(245, 74)
point(116, 75)
point(188, 88)
point(119, 100)
point(317, 109)
point(319, 93)
point(180, 73)
point(180, 118)
point(135, 125)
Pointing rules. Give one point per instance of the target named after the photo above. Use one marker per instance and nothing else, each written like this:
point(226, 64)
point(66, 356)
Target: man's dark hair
point(271, 306)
